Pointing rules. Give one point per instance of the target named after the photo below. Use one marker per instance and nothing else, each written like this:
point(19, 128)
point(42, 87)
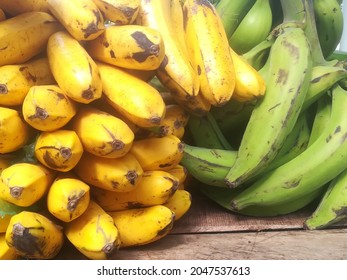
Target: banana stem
point(293, 10)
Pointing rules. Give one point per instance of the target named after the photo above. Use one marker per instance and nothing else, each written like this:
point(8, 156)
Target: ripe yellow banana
point(179, 203)
point(17, 79)
point(74, 70)
point(143, 225)
point(93, 233)
point(16, 7)
point(58, 150)
point(6, 252)
point(101, 133)
point(34, 236)
point(25, 35)
point(121, 12)
point(158, 153)
point(129, 46)
point(208, 47)
point(154, 188)
point(181, 173)
point(141, 103)
point(249, 84)
point(114, 174)
point(24, 184)
point(81, 18)
point(68, 198)
point(14, 131)
point(48, 108)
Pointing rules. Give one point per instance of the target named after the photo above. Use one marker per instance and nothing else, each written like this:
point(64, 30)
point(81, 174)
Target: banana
point(24, 36)
point(74, 70)
point(179, 203)
point(154, 188)
point(128, 46)
point(121, 12)
point(294, 179)
point(141, 103)
point(180, 173)
point(34, 236)
point(68, 198)
point(6, 252)
point(332, 206)
point(24, 184)
point(48, 108)
point(14, 131)
point(17, 79)
point(208, 48)
point(58, 150)
point(175, 71)
point(101, 133)
point(81, 18)
point(329, 22)
point(114, 174)
point(155, 222)
point(93, 233)
point(158, 153)
point(16, 7)
point(289, 76)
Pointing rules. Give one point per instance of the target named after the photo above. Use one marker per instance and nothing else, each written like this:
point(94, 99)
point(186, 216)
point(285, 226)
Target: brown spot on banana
point(40, 113)
point(146, 44)
point(167, 228)
point(112, 54)
point(88, 94)
point(155, 120)
point(74, 200)
point(93, 26)
point(128, 12)
point(27, 74)
point(282, 76)
point(23, 241)
point(132, 176)
point(16, 191)
point(116, 144)
point(132, 205)
point(3, 89)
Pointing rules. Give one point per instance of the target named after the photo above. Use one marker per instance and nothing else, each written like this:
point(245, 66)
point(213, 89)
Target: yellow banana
point(58, 150)
point(179, 203)
point(129, 46)
point(208, 47)
point(175, 71)
point(48, 108)
point(141, 103)
point(101, 133)
point(2, 15)
point(158, 153)
point(74, 70)
point(154, 188)
point(68, 198)
point(181, 173)
point(6, 252)
point(24, 184)
point(81, 18)
point(25, 35)
point(250, 85)
point(17, 79)
point(16, 7)
point(143, 225)
point(34, 236)
point(121, 12)
point(14, 131)
point(93, 233)
point(114, 174)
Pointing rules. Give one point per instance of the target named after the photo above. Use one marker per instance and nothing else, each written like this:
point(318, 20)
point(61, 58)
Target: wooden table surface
point(208, 232)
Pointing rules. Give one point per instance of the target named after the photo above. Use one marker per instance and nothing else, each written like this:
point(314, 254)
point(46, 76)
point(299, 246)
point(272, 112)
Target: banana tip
point(234, 206)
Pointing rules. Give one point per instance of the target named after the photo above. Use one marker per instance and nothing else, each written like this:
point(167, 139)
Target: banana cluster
point(90, 148)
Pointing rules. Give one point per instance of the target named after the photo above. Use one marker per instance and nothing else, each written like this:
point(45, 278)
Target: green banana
point(333, 205)
point(254, 27)
point(274, 116)
point(322, 161)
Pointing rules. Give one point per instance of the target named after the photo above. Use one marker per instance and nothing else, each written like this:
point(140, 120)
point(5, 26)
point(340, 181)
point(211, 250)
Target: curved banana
point(101, 133)
point(34, 236)
point(180, 172)
point(17, 79)
point(25, 35)
point(74, 70)
point(179, 203)
point(141, 103)
point(58, 150)
point(129, 46)
point(93, 233)
point(48, 108)
point(81, 18)
point(16, 7)
point(155, 222)
point(6, 252)
point(114, 174)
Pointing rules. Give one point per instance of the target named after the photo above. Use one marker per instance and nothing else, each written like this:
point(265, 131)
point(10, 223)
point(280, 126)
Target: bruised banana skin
point(25, 35)
point(16, 7)
point(93, 233)
point(17, 79)
point(155, 223)
point(325, 157)
point(34, 236)
point(129, 46)
point(74, 70)
point(280, 107)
